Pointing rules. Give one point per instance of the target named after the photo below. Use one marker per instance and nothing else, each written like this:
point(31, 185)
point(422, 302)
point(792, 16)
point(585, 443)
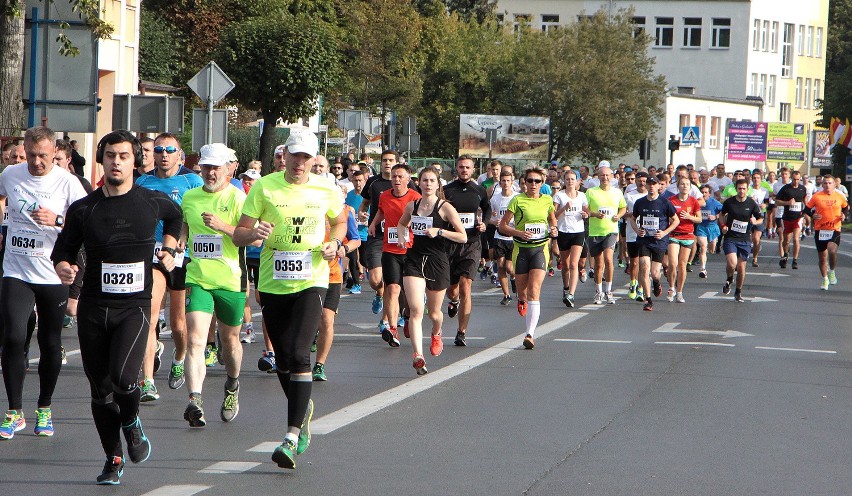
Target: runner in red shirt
point(682, 238)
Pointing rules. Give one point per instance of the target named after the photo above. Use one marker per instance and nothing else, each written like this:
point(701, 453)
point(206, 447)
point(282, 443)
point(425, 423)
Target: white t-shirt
point(29, 245)
point(630, 198)
point(571, 220)
point(719, 183)
point(346, 182)
point(482, 177)
point(498, 208)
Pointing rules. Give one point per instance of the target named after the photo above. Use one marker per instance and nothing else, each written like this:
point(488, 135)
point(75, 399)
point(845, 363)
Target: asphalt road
point(711, 397)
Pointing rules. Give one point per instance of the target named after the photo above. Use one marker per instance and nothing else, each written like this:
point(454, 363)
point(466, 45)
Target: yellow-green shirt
point(532, 215)
point(608, 202)
point(291, 259)
point(216, 262)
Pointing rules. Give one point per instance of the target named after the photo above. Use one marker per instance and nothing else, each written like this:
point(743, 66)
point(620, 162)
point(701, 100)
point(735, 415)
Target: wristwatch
point(440, 232)
point(60, 221)
point(169, 250)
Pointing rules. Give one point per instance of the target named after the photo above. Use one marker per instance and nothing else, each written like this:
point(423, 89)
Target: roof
point(152, 86)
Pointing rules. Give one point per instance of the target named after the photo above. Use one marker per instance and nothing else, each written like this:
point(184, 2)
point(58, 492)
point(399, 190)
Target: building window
point(761, 90)
point(752, 90)
point(787, 52)
point(699, 122)
point(806, 101)
point(692, 32)
point(713, 137)
point(773, 38)
point(770, 92)
point(798, 100)
point(721, 33)
point(664, 32)
point(784, 114)
point(521, 20)
point(638, 26)
point(549, 22)
point(809, 42)
point(755, 35)
point(684, 121)
point(800, 45)
point(818, 43)
point(817, 97)
point(764, 36)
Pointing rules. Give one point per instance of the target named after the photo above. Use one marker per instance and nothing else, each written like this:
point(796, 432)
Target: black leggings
point(354, 266)
point(16, 305)
point(112, 345)
point(291, 324)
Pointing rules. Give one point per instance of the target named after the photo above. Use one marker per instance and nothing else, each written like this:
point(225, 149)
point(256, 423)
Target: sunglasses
point(533, 181)
point(167, 149)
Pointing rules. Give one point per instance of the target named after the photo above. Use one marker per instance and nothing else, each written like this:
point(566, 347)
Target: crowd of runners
point(299, 237)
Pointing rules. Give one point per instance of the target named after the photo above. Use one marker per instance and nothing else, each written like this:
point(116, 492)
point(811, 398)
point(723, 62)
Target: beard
point(115, 181)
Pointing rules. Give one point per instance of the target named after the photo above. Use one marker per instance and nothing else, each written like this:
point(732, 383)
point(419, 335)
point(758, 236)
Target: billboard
point(820, 153)
point(504, 136)
point(786, 142)
point(747, 141)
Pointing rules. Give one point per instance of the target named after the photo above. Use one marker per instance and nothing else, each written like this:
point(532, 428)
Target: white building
point(723, 50)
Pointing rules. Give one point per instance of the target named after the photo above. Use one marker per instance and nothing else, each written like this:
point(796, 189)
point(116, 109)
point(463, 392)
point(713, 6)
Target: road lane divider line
point(695, 343)
point(265, 447)
point(829, 352)
point(611, 341)
point(357, 411)
point(177, 490)
point(229, 467)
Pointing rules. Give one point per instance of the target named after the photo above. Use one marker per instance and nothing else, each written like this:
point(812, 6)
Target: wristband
point(339, 243)
point(169, 250)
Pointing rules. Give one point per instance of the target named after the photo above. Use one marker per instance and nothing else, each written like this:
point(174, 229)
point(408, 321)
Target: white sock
point(162, 315)
point(609, 286)
point(533, 312)
point(600, 287)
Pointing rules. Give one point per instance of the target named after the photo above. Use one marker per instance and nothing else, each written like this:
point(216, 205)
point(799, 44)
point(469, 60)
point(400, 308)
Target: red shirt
point(686, 228)
point(392, 207)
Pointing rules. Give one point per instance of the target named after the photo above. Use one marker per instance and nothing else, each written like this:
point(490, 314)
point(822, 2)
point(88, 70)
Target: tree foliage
point(838, 74)
point(161, 50)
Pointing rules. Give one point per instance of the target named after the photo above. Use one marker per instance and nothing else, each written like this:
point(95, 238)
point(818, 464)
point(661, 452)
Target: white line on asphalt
point(34, 361)
point(591, 306)
point(229, 467)
point(352, 413)
point(266, 447)
point(374, 335)
point(613, 341)
point(830, 352)
point(695, 343)
point(181, 490)
point(840, 252)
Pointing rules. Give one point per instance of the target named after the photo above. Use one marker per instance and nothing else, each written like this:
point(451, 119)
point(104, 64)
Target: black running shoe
point(795, 265)
point(113, 470)
point(460, 336)
point(452, 309)
point(649, 306)
point(658, 289)
point(783, 262)
point(726, 289)
point(738, 296)
point(194, 414)
point(138, 446)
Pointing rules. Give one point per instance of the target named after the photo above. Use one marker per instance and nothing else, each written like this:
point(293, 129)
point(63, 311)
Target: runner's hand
point(166, 260)
point(481, 226)
point(43, 216)
point(329, 250)
point(212, 221)
point(263, 230)
point(66, 273)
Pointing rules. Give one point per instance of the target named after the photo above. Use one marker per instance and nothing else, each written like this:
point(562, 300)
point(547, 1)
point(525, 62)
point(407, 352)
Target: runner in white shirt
point(572, 208)
point(503, 245)
point(719, 181)
point(760, 196)
point(778, 210)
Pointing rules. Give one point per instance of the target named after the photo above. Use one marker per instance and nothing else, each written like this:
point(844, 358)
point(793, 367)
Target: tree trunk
point(267, 140)
point(11, 73)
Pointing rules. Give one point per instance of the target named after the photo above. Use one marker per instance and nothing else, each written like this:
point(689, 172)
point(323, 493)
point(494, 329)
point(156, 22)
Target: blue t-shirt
point(354, 200)
point(174, 187)
point(237, 184)
point(653, 215)
point(713, 207)
point(546, 190)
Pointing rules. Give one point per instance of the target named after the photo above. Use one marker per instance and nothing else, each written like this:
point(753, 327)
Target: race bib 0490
point(292, 265)
point(122, 278)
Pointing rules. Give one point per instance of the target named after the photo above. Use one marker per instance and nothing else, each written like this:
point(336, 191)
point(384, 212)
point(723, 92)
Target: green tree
point(838, 75)
point(161, 49)
point(281, 65)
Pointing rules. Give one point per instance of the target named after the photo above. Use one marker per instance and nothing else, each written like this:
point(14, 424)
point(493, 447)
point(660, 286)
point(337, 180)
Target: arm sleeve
point(70, 238)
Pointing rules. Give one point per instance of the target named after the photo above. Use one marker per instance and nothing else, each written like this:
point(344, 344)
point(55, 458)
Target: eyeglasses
point(556, 188)
point(533, 181)
point(167, 149)
point(630, 178)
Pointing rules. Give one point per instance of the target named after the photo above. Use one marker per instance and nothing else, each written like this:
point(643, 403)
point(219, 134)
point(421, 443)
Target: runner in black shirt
point(116, 224)
point(738, 217)
point(792, 198)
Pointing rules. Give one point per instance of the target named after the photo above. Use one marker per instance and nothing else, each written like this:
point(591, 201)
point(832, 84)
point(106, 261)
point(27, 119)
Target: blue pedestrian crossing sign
point(690, 135)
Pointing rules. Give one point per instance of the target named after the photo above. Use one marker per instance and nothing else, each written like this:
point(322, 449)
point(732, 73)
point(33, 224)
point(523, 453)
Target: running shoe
point(495, 279)
point(405, 330)
point(640, 296)
point(658, 288)
point(460, 339)
point(565, 298)
point(513, 285)
point(522, 308)
point(356, 289)
point(795, 264)
point(506, 300)
point(483, 274)
point(452, 309)
point(391, 336)
point(437, 345)
point(832, 277)
point(783, 262)
point(161, 326)
point(377, 304)
point(67, 321)
point(649, 306)
point(248, 335)
point(570, 300)
point(400, 322)
point(158, 355)
point(631, 293)
point(726, 288)
point(138, 446)
point(599, 298)
point(44, 423)
point(266, 362)
point(149, 391)
point(176, 375)
point(670, 294)
point(211, 355)
point(621, 263)
point(679, 298)
point(610, 299)
point(314, 344)
point(318, 372)
point(194, 414)
point(591, 273)
point(550, 272)
point(824, 285)
point(703, 274)
point(583, 275)
point(305, 431)
point(382, 326)
point(529, 342)
point(754, 262)
point(419, 364)
point(738, 296)
point(285, 454)
point(63, 355)
point(689, 267)
point(113, 470)
point(230, 405)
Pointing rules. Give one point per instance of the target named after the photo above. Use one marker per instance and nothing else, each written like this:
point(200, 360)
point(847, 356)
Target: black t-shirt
point(738, 216)
point(118, 234)
point(467, 198)
point(788, 192)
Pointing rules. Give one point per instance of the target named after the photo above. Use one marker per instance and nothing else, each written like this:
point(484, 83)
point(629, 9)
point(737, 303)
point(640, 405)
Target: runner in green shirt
point(606, 207)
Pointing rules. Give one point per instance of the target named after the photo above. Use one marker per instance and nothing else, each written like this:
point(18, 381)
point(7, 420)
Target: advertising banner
point(821, 154)
point(504, 136)
point(786, 142)
point(747, 141)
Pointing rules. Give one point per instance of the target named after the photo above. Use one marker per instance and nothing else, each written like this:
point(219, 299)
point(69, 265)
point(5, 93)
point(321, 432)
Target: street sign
point(148, 113)
point(409, 143)
point(690, 135)
point(199, 128)
point(211, 83)
point(360, 140)
point(351, 119)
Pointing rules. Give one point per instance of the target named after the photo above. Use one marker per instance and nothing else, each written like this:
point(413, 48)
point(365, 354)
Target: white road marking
point(352, 413)
point(694, 343)
point(229, 467)
point(768, 274)
point(712, 295)
point(181, 490)
point(830, 352)
point(375, 335)
point(671, 327)
point(266, 447)
point(591, 306)
point(613, 341)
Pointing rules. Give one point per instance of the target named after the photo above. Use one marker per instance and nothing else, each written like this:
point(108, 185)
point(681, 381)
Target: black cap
point(641, 174)
point(653, 180)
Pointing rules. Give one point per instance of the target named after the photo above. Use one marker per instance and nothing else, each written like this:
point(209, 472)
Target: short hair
point(793, 173)
point(707, 187)
point(62, 145)
point(495, 162)
point(534, 170)
point(741, 181)
point(404, 167)
point(391, 152)
point(827, 176)
point(784, 169)
point(506, 174)
point(364, 156)
point(167, 136)
point(464, 157)
point(10, 145)
point(40, 133)
point(345, 162)
point(145, 139)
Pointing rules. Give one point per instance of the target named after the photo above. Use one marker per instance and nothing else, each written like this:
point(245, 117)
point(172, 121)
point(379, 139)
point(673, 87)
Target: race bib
point(292, 265)
point(739, 226)
point(467, 220)
point(179, 256)
point(705, 215)
point(122, 278)
point(207, 246)
point(393, 235)
point(796, 207)
point(779, 211)
point(650, 223)
point(825, 235)
point(419, 225)
point(27, 242)
point(607, 212)
point(538, 231)
point(6, 217)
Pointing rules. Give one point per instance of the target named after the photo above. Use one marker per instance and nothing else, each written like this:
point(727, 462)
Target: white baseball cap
point(602, 164)
point(303, 142)
point(251, 174)
point(279, 150)
point(215, 154)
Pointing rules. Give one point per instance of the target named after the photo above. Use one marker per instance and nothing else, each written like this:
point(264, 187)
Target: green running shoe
point(230, 405)
point(149, 391)
point(176, 375)
point(319, 372)
point(210, 355)
point(305, 433)
point(285, 455)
